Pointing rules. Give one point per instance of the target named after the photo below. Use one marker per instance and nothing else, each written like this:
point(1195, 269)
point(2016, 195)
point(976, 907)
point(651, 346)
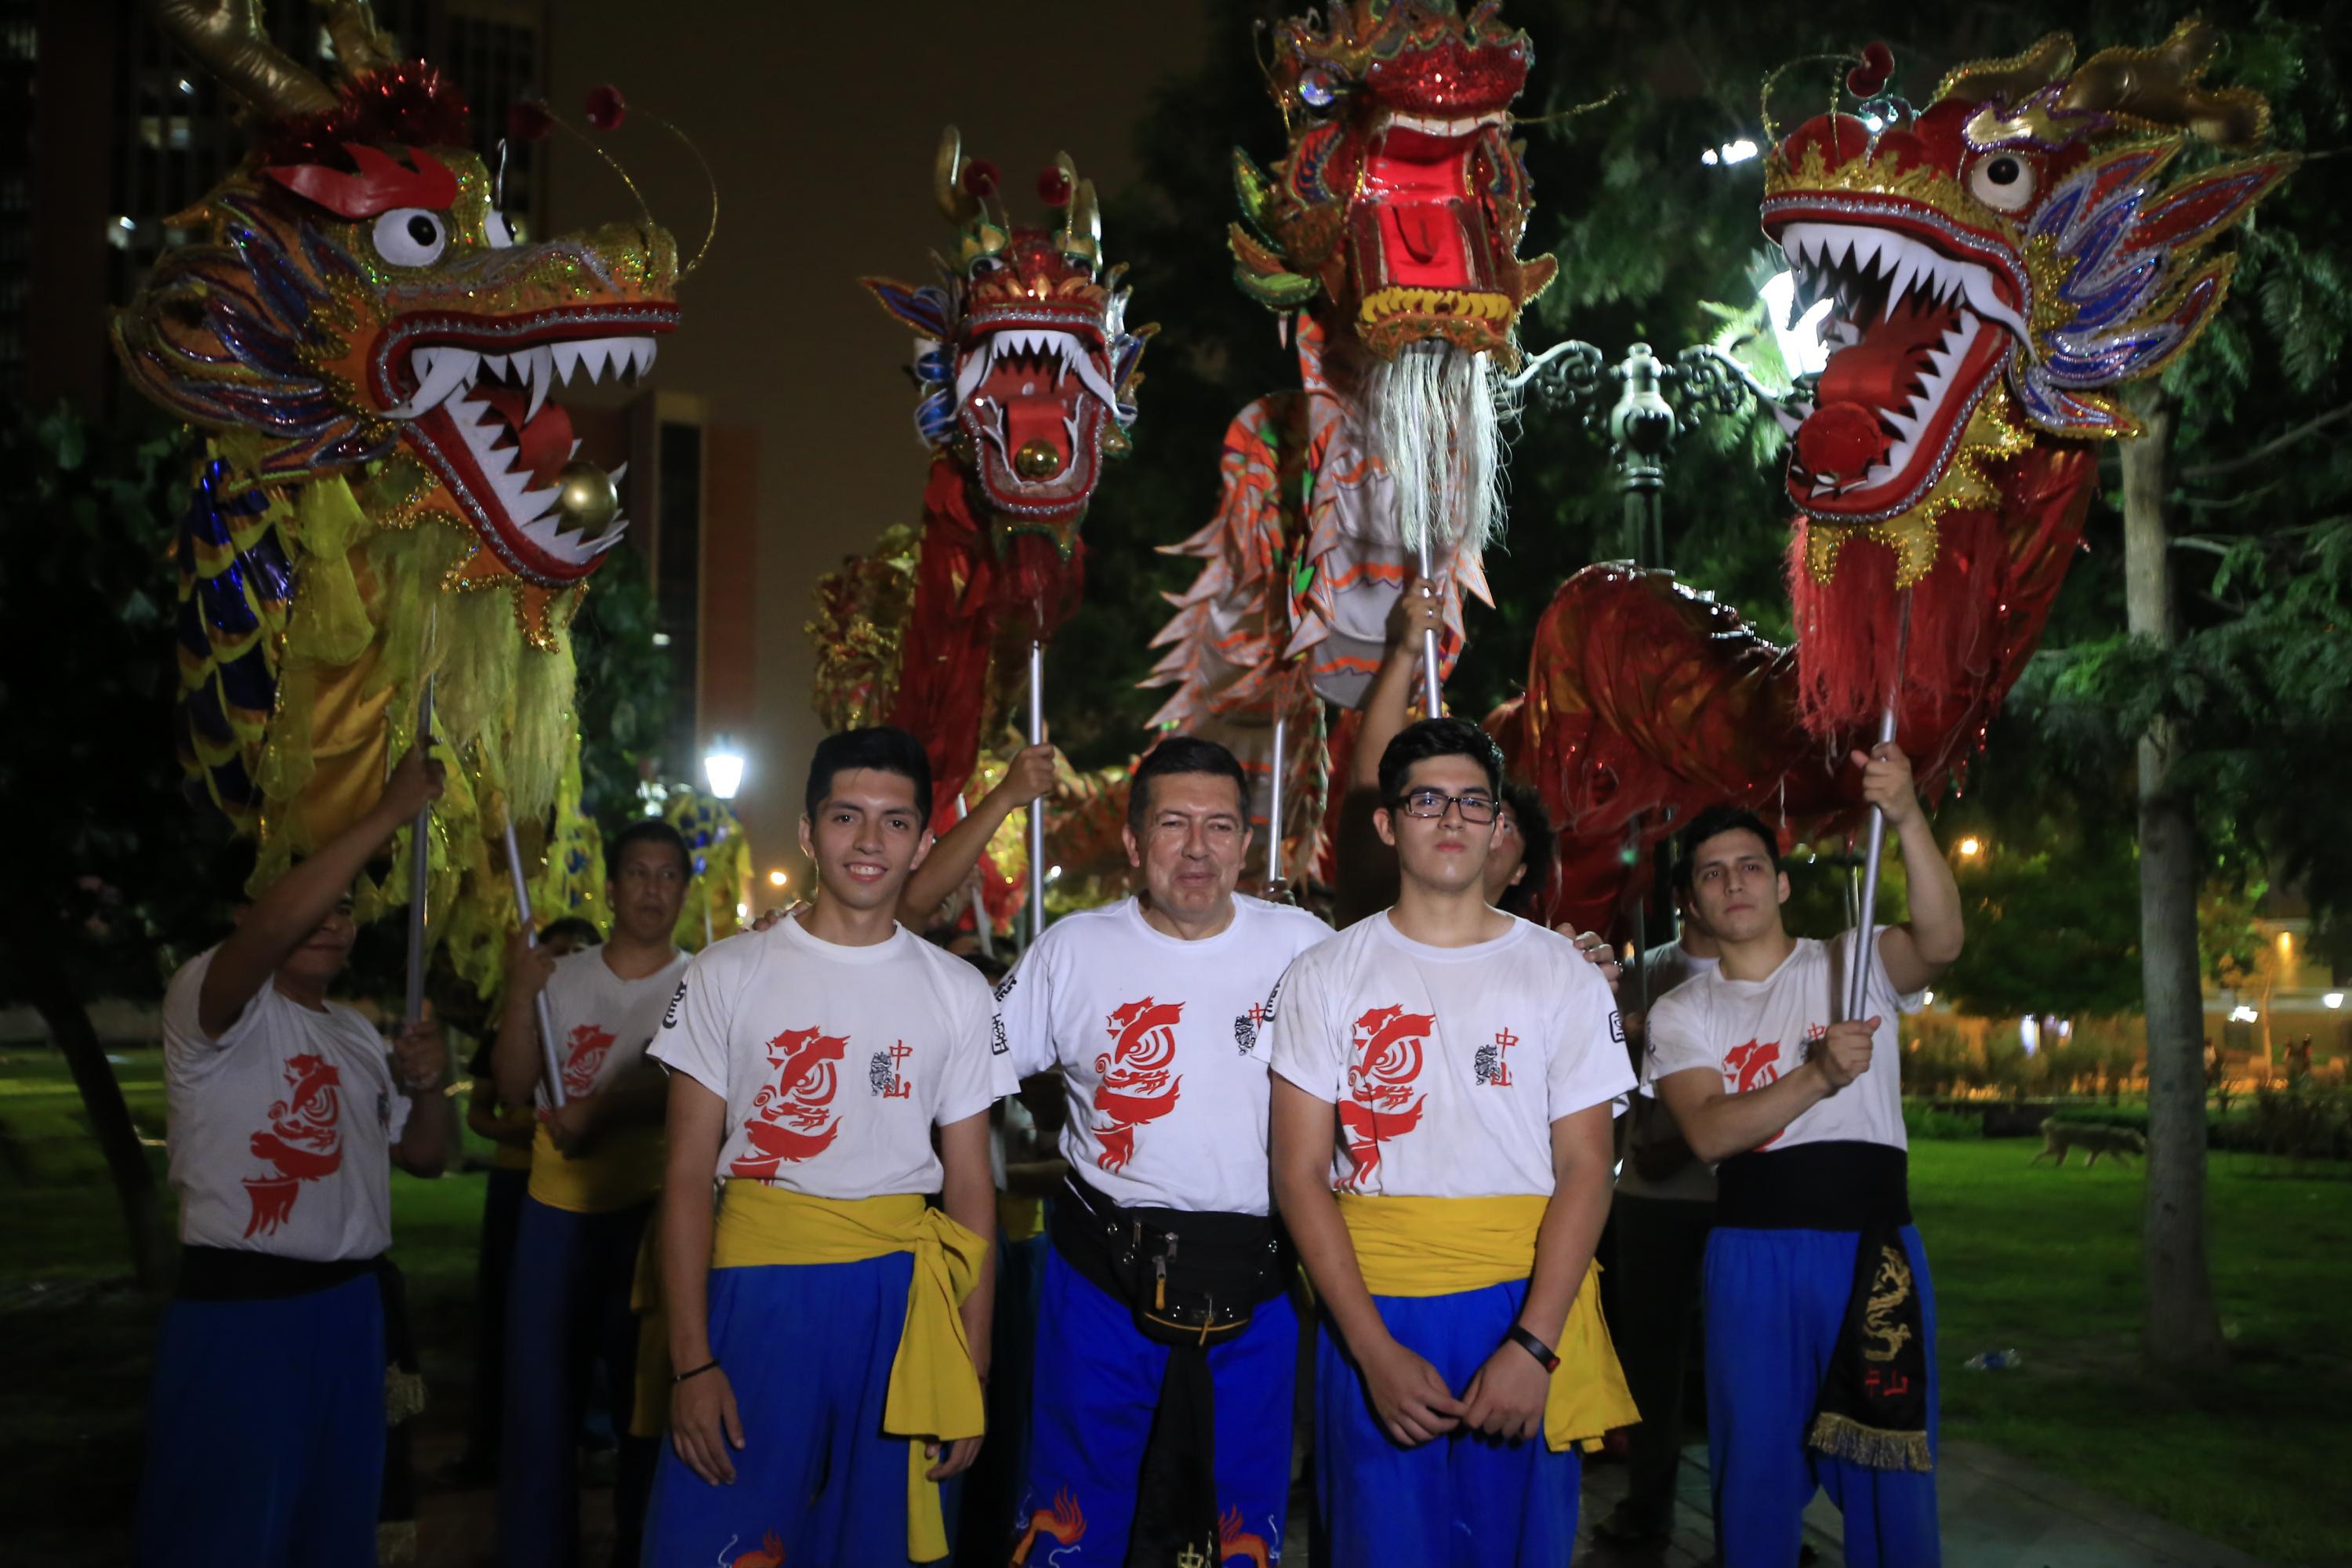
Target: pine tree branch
point(2267, 449)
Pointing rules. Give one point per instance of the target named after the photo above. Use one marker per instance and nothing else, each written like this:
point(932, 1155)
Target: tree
point(108, 870)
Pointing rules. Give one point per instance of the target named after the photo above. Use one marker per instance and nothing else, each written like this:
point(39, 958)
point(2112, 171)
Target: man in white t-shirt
point(1163, 1301)
point(266, 1446)
point(828, 1318)
point(1451, 1071)
point(1821, 1318)
point(595, 1168)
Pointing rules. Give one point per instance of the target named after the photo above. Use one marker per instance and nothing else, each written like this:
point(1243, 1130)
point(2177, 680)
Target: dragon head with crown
point(1987, 274)
point(392, 499)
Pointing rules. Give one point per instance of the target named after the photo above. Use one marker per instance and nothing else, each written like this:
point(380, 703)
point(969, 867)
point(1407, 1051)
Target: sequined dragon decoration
point(1995, 269)
point(1027, 374)
point(389, 497)
point(1391, 231)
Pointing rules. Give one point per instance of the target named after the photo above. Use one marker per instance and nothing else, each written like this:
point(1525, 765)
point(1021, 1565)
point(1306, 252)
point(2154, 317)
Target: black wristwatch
point(1535, 1347)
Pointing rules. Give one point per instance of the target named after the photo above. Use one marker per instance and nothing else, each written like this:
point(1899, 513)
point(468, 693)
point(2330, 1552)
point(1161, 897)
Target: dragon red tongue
point(544, 444)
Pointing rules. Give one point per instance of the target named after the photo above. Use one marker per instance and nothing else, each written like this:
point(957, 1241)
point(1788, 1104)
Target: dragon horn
point(361, 46)
point(956, 204)
point(1082, 222)
point(227, 37)
point(2162, 85)
point(2011, 80)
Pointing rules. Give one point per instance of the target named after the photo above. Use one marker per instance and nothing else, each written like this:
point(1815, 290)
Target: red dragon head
point(1022, 352)
point(355, 296)
point(1996, 266)
point(1402, 200)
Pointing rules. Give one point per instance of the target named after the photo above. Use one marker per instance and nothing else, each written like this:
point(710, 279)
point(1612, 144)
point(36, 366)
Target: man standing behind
point(1451, 1071)
point(1162, 1309)
point(1663, 1208)
point(1821, 1319)
point(830, 1330)
point(266, 1448)
point(595, 1166)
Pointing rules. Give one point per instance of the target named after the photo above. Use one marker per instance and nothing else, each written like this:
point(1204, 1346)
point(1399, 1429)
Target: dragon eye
point(983, 266)
point(411, 237)
point(497, 231)
point(2004, 182)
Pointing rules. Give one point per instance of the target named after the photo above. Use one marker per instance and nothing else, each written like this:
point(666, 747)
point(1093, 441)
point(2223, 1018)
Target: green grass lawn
point(2042, 1261)
point(2047, 1262)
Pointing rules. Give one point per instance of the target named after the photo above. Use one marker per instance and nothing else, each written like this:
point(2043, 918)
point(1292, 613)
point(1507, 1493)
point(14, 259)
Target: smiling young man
point(595, 1168)
point(829, 1328)
point(266, 1447)
point(1451, 1071)
point(1821, 1319)
point(1163, 1304)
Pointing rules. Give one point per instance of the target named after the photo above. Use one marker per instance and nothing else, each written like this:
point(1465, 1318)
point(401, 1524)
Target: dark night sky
point(821, 122)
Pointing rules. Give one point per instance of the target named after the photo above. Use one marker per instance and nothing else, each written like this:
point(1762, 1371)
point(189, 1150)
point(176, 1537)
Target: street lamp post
point(722, 766)
point(1657, 402)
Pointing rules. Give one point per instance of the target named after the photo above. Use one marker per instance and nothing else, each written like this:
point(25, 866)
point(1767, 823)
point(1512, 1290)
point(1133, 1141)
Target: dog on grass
point(2061, 1138)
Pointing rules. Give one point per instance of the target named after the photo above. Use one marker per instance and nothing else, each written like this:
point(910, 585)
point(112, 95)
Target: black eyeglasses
point(1478, 809)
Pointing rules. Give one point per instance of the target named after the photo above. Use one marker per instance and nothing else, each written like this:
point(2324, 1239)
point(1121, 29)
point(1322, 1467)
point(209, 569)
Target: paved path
point(1996, 1513)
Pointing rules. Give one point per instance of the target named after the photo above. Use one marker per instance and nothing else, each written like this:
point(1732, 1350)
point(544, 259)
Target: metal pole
point(1274, 810)
point(976, 890)
point(549, 1064)
point(1858, 966)
point(1037, 806)
point(420, 849)
point(1430, 690)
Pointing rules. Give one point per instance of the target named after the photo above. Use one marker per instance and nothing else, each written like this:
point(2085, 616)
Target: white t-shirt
point(603, 1022)
point(1752, 1031)
point(603, 1025)
point(1449, 1064)
point(1162, 1044)
point(1668, 966)
point(281, 1127)
point(835, 1062)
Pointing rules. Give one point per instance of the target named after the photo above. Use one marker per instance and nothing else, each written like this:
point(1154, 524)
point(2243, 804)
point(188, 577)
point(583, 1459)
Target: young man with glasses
point(1452, 1073)
point(1163, 1410)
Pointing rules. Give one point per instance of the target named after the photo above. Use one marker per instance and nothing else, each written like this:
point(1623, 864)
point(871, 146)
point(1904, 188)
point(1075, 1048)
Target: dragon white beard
point(1435, 416)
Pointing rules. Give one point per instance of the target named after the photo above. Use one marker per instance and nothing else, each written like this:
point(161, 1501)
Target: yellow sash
point(1440, 1247)
point(934, 1390)
point(622, 1171)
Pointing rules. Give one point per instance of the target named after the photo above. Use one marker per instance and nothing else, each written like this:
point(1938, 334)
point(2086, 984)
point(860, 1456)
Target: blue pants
point(807, 1348)
point(1460, 1501)
point(1775, 1301)
point(1097, 1385)
point(266, 1444)
point(567, 1305)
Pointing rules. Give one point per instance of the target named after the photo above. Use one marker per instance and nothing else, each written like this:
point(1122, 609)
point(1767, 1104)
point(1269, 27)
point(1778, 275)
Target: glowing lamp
point(723, 766)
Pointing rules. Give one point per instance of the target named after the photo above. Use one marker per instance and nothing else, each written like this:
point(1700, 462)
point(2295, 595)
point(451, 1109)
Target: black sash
point(1191, 1280)
point(1872, 1408)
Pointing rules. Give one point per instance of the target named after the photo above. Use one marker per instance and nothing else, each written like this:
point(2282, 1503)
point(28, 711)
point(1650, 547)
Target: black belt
point(1844, 1186)
point(235, 1274)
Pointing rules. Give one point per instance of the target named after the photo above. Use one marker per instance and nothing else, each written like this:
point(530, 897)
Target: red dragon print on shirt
point(792, 1119)
point(1380, 1083)
point(304, 1141)
point(1138, 1083)
point(583, 1056)
point(1066, 1521)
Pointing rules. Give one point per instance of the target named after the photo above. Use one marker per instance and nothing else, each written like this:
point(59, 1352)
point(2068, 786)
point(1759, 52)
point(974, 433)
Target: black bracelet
point(1534, 1347)
point(677, 1378)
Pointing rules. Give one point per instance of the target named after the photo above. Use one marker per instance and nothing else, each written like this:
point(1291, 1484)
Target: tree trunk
point(40, 980)
point(2183, 1328)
